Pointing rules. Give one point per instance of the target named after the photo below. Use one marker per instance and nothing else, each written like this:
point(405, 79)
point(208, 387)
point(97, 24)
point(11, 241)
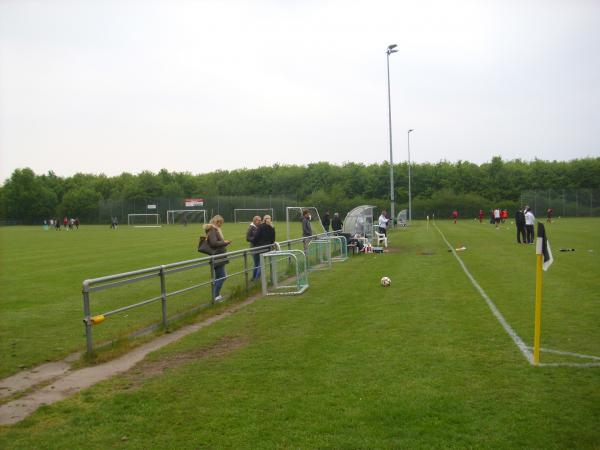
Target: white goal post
point(293, 214)
point(184, 216)
point(144, 220)
point(246, 214)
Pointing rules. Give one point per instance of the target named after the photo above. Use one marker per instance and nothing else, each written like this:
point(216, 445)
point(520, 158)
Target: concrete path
point(55, 381)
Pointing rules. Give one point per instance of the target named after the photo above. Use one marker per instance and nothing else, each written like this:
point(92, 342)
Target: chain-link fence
point(223, 205)
point(565, 203)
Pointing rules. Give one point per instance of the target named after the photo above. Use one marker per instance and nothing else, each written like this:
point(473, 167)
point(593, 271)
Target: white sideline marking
point(525, 350)
point(560, 352)
point(513, 335)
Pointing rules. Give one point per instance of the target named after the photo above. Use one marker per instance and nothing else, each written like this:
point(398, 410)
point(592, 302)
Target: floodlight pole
point(409, 192)
point(391, 49)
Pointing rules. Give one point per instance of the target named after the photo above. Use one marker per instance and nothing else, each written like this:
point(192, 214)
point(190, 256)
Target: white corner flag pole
point(544, 261)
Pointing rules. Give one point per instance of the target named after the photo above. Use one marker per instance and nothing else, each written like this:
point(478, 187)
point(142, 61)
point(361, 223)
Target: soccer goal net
point(246, 214)
point(285, 272)
point(144, 220)
point(318, 254)
point(293, 219)
point(185, 216)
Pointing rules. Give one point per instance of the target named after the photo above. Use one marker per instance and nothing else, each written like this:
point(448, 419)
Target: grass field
point(349, 364)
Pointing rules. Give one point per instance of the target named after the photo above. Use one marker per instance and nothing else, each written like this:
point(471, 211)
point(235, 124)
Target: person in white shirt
point(383, 223)
point(497, 217)
point(529, 223)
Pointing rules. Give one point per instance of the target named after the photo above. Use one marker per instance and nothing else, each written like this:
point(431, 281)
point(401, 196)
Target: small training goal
point(144, 220)
point(247, 214)
point(185, 216)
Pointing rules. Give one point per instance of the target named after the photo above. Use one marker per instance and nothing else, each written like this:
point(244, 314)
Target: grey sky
point(113, 86)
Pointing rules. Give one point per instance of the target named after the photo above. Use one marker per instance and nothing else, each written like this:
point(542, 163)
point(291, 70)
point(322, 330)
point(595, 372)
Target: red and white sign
point(191, 202)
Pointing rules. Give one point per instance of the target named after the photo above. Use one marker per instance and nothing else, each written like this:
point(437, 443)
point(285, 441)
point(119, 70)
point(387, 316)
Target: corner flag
point(543, 247)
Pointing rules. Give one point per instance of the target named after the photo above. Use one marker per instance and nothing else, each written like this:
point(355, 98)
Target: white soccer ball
point(385, 281)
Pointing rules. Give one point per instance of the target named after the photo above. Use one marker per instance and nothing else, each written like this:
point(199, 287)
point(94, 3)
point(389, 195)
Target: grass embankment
point(422, 364)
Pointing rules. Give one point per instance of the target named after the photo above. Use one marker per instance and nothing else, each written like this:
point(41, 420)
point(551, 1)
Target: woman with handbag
point(216, 245)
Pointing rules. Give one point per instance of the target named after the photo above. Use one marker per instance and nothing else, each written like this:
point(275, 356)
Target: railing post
point(87, 320)
point(263, 274)
point(246, 270)
point(163, 295)
point(212, 281)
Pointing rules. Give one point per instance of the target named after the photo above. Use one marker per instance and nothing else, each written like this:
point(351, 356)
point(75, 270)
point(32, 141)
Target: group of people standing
point(335, 223)
point(68, 224)
point(260, 235)
point(525, 221)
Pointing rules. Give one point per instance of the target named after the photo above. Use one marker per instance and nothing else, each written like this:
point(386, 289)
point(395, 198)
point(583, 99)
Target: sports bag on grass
point(203, 246)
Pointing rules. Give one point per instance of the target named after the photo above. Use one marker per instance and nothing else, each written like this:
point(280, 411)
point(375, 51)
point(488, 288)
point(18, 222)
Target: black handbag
point(204, 247)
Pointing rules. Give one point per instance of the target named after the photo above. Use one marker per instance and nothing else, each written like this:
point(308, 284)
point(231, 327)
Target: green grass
point(349, 364)
point(41, 275)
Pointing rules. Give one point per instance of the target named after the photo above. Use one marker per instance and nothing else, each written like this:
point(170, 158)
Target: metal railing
point(162, 273)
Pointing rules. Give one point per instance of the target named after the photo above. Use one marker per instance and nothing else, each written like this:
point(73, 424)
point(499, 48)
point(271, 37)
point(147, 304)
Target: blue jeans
point(256, 271)
point(219, 280)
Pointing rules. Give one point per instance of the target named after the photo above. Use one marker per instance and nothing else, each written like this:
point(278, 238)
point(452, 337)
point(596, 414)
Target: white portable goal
point(185, 216)
point(284, 272)
point(293, 220)
point(246, 214)
point(318, 254)
point(144, 220)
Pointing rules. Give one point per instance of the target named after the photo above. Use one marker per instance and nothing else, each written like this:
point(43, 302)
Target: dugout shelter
point(359, 222)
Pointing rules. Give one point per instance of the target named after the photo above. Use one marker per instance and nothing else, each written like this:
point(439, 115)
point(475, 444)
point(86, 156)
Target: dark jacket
point(520, 219)
point(216, 243)
point(336, 224)
point(251, 232)
point(265, 235)
point(326, 222)
point(306, 227)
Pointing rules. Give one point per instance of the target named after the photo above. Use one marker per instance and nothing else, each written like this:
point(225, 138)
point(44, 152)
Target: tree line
point(30, 198)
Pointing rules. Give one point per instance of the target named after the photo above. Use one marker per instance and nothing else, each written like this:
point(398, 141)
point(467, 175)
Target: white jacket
point(529, 218)
point(383, 221)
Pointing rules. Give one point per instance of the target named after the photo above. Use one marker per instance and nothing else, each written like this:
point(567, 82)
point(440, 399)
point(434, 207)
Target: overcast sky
point(112, 86)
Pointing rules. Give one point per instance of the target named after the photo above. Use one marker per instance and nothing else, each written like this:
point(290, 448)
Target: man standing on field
point(529, 224)
point(306, 228)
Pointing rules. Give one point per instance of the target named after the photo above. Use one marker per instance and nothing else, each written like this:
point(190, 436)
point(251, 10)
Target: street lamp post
point(391, 49)
point(409, 192)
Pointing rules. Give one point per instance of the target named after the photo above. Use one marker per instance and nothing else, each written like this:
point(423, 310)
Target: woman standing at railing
point(216, 241)
point(265, 235)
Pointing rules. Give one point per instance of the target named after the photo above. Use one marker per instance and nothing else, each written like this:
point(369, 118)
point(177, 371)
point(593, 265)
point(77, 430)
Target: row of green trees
point(30, 198)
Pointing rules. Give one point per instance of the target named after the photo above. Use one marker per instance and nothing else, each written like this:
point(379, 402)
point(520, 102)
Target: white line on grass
point(513, 335)
point(525, 350)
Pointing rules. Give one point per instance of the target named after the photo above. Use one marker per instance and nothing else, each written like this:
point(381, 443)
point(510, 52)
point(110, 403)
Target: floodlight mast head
point(391, 49)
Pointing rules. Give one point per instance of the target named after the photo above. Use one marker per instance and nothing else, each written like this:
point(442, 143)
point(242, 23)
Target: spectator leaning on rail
point(250, 233)
point(214, 237)
point(265, 235)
